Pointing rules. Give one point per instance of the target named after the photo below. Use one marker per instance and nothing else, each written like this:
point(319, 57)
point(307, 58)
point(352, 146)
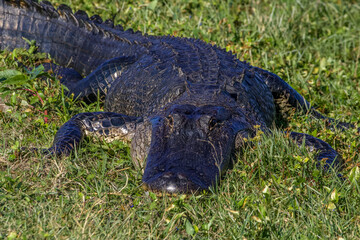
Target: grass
point(274, 191)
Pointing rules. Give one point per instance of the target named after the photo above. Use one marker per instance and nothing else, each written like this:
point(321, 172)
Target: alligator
point(183, 105)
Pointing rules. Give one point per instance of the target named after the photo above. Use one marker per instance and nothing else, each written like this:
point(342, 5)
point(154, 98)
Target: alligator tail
point(72, 39)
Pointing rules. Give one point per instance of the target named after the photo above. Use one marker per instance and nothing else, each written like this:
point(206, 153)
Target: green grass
point(274, 191)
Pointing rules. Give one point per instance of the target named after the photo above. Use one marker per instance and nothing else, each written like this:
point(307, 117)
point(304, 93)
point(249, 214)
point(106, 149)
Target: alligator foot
point(105, 125)
point(325, 153)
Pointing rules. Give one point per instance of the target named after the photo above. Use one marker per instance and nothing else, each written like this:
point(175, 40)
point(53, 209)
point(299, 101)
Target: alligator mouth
point(172, 183)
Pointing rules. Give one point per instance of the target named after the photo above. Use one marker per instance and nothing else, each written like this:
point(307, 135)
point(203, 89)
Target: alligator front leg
point(283, 92)
point(325, 153)
point(105, 125)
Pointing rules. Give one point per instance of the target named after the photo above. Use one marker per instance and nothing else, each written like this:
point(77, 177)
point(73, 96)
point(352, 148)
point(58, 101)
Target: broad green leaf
point(152, 5)
point(334, 196)
point(16, 80)
point(6, 74)
point(354, 174)
point(37, 72)
point(189, 228)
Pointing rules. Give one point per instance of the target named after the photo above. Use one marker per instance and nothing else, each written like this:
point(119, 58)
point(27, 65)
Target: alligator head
point(191, 146)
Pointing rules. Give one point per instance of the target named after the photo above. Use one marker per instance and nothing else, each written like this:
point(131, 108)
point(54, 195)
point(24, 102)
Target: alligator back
point(73, 40)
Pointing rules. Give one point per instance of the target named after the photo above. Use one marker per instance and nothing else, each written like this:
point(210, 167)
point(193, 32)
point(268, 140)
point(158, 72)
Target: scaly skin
point(184, 105)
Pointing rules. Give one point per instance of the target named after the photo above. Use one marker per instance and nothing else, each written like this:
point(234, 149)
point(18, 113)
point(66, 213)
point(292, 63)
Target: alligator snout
point(171, 182)
point(190, 148)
